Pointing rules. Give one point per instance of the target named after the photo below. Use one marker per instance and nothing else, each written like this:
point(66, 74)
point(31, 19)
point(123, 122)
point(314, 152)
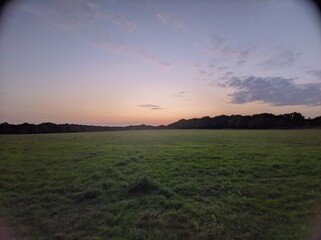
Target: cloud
point(315, 73)
point(280, 58)
point(227, 57)
point(252, 54)
point(241, 62)
point(229, 73)
point(211, 65)
point(114, 45)
point(218, 46)
point(277, 91)
point(180, 94)
point(214, 44)
point(150, 106)
point(62, 15)
point(123, 22)
point(167, 20)
point(71, 14)
point(90, 3)
point(223, 68)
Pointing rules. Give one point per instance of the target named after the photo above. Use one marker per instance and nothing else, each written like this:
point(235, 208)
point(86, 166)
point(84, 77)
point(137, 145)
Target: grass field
point(166, 184)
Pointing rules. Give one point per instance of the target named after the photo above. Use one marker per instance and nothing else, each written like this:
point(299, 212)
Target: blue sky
point(154, 62)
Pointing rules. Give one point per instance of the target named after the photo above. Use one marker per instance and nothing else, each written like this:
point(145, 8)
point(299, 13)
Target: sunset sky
point(155, 62)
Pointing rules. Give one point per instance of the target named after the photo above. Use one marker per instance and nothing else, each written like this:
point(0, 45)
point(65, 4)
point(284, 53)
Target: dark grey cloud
point(150, 106)
point(315, 73)
point(277, 91)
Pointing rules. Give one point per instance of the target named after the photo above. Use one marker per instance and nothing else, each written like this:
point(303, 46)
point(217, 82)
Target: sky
point(154, 62)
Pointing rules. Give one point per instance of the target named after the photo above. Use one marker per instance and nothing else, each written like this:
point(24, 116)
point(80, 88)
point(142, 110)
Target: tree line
point(27, 128)
point(256, 121)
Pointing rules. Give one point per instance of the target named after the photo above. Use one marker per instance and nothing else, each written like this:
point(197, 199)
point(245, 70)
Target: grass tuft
point(143, 185)
point(91, 194)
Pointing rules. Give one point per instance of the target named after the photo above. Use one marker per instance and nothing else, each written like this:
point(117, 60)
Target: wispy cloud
point(202, 72)
point(122, 21)
point(220, 47)
point(174, 22)
point(150, 106)
point(316, 73)
point(72, 14)
point(223, 68)
point(277, 91)
point(180, 94)
point(224, 58)
point(253, 54)
point(63, 15)
point(91, 4)
point(114, 45)
point(211, 65)
point(229, 73)
point(279, 57)
point(229, 60)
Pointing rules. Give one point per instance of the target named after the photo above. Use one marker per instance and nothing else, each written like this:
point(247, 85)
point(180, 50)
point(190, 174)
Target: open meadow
point(161, 184)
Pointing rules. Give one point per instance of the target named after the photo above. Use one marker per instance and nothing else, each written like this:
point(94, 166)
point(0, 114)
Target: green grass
point(174, 184)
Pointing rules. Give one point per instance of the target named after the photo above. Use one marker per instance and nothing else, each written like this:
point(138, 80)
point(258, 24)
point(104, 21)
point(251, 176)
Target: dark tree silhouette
point(256, 121)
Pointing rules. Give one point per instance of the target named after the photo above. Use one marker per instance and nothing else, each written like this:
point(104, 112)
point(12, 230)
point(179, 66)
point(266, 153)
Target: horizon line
point(153, 125)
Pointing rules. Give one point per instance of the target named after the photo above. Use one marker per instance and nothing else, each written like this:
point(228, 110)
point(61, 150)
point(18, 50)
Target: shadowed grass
point(142, 185)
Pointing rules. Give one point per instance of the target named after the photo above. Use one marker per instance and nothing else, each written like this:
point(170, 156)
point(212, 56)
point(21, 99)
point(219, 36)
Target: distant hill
point(256, 121)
